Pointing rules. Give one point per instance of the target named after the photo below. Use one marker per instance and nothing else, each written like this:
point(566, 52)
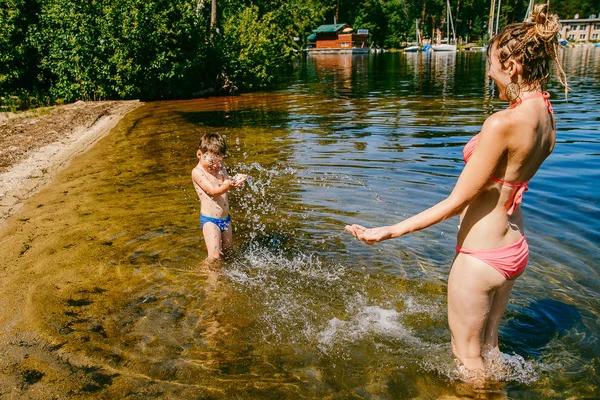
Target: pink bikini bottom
point(509, 260)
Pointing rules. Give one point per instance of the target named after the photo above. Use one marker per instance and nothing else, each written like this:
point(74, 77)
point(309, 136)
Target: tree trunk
point(213, 14)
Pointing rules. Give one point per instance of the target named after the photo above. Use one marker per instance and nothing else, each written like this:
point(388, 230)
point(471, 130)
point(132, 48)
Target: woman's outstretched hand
point(369, 236)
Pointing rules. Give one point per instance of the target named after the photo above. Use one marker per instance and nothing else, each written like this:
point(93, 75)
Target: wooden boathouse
point(338, 38)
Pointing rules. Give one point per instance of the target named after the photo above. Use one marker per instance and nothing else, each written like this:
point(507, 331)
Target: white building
point(581, 29)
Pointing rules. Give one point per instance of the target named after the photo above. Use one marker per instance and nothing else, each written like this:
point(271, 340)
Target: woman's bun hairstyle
point(534, 43)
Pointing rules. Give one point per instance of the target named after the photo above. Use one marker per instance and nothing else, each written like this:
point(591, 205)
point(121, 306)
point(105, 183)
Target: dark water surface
point(106, 294)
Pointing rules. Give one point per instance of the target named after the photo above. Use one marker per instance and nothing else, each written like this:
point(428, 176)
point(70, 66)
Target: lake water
point(106, 294)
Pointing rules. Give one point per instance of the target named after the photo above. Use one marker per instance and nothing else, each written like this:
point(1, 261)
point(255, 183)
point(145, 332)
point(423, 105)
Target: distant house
point(581, 30)
point(338, 38)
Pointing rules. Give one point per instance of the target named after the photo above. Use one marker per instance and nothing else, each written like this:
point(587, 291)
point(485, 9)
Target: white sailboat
point(417, 47)
point(447, 46)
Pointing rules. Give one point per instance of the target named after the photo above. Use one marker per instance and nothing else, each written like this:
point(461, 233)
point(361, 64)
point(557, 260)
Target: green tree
point(400, 20)
point(101, 49)
point(18, 57)
point(252, 47)
point(567, 9)
point(153, 49)
point(371, 16)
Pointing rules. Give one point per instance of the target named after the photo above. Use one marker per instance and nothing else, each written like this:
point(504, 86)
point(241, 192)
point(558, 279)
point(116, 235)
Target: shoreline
point(37, 144)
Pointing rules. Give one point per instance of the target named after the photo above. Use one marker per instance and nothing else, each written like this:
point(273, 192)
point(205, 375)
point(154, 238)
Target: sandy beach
point(35, 145)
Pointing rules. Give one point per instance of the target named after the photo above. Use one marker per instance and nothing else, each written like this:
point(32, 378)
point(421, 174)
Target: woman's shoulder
point(498, 124)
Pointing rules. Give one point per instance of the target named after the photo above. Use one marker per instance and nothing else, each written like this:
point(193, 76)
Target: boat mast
point(417, 31)
point(491, 19)
point(498, 16)
point(451, 22)
point(529, 10)
point(447, 21)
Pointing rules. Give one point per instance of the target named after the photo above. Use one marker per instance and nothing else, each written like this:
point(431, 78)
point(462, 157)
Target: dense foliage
point(64, 50)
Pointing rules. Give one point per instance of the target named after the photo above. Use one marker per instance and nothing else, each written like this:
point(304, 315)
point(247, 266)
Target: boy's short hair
point(213, 143)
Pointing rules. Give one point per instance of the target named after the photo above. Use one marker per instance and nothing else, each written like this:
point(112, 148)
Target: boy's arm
point(210, 188)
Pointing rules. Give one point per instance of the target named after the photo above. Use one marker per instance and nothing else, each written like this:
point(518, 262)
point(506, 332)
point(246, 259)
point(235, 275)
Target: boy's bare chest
point(215, 180)
point(214, 176)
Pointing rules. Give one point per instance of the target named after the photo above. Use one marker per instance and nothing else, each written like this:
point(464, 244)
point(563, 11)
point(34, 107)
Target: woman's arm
point(474, 177)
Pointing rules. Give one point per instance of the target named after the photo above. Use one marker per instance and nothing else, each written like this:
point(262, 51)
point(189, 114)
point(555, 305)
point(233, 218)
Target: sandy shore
point(36, 145)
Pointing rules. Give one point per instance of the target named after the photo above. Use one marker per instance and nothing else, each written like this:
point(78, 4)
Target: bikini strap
point(547, 101)
point(509, 184)
point(544, 94)
point(518, 199)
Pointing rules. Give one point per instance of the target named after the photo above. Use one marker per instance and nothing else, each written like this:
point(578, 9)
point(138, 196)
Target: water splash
point(506, 368)
point(290, 291)
point(364, 321)
point(258, 202)
point(325, 179)
point(261, 200)
point(307, 302)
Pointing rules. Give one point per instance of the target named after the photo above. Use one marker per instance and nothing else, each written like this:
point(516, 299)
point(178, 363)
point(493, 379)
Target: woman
point(492, 251)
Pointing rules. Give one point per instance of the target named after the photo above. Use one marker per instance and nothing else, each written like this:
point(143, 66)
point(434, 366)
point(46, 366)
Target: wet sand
point(36, 145)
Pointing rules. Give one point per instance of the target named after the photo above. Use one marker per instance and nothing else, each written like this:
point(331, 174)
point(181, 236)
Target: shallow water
point(106, 293)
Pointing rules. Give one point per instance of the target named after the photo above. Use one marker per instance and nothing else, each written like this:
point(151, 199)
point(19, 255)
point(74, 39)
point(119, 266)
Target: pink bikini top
point(521, 187)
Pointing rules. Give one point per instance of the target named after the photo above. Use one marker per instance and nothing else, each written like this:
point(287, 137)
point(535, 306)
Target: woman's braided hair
point(534, 43)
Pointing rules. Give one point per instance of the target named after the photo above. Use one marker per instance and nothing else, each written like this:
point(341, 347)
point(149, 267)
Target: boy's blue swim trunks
point(221, 223)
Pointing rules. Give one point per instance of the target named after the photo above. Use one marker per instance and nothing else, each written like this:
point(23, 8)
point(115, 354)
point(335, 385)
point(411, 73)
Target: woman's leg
point(499, 303)
point(212, 238)
point(471, 288)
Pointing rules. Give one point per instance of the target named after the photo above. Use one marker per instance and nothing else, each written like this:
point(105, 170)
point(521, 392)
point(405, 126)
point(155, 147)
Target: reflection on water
point(108, 295)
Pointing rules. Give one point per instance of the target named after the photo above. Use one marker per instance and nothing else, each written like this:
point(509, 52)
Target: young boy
point(212, 183)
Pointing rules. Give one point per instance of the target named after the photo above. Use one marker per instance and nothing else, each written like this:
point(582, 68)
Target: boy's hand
point(238, 180)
